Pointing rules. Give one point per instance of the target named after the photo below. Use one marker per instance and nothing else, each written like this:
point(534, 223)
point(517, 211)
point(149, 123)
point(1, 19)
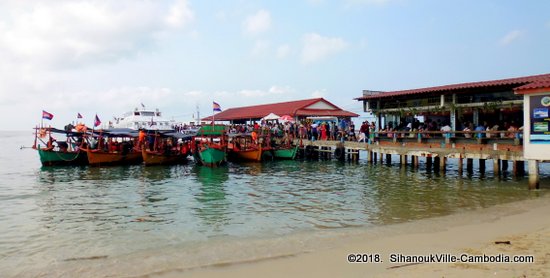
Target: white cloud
point(67, 33)
point(180, 14)
point(317, 47)
point(283, 51)
point(257, 23)
point(511, 37)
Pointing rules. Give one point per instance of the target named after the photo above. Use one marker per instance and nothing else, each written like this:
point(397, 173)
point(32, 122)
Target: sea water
point(137, 220)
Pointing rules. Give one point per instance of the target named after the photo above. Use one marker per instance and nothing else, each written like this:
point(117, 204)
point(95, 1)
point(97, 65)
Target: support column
point(388, 158)
point(404, 160)
point(415, 159)
point(470, 165)
point(533, 174)
point(442, 164)
point(437, 162)
point(519, 168)
point(504, 165)
point(460, 165)
point(482, 165)
point(429, 162)
point(496, 166)
point(369, 156)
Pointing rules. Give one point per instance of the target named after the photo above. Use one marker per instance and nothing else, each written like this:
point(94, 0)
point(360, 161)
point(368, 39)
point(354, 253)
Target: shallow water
point(65, 220)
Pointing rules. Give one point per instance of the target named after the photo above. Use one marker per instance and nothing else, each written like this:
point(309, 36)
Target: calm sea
point(134, 220)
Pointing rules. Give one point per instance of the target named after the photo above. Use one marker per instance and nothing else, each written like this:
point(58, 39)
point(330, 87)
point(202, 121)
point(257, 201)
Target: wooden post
point(442, 164)
point(504, 165)
point(403, 160)
point(388, 158)
point(429, 162)
point(415, 159)
point(496, 166)
point(470, 165)
point(369, 156)
point(460, 165)
point(482, 165)
point(533, 174)
point(519, 168)
point(437, 162)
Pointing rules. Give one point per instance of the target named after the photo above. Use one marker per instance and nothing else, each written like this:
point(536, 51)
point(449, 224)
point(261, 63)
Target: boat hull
point(286, 153)
point(210, 157)
point(54, 158)
point(98, 158)
point(154, 158)
point(247, 155)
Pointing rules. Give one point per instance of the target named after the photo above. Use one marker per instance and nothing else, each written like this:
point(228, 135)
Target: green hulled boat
point(210, 146)
point(52, 157)
point(286, 153)
point(59, 151)
point(209, 156)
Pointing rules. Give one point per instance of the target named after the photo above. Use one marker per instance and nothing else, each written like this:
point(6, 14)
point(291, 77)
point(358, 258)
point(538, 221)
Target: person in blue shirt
point(480, 127)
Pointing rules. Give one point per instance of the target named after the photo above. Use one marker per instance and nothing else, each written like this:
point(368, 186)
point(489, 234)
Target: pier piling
point(533, 174)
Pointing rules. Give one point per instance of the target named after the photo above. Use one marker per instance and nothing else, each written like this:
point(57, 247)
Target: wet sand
point(525, 224)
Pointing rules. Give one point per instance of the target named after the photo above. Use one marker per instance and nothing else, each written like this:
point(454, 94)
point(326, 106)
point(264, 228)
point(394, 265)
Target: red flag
point(46, 115)
point(97, 121)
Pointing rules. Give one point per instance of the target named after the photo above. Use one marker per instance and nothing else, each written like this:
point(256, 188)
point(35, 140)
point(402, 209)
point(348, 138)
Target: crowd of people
point(466, 129)
point(345, 129)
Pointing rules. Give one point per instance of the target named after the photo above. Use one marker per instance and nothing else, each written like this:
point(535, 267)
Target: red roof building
point(494, 101)
point(509, 83)
point(298, 109)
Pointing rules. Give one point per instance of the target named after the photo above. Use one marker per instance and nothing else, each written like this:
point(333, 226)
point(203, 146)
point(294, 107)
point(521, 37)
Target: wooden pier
point(434, 151)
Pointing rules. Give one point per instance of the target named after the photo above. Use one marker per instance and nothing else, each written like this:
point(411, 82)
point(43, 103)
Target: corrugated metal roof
point(292, 108)
point(517, 81)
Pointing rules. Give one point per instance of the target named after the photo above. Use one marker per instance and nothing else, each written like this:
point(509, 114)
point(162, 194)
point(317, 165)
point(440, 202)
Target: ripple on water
point(56, 215)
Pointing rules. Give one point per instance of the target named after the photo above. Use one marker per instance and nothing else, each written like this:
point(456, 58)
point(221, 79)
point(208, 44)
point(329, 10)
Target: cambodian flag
point(46, 115)
point(216, 106)
point(97, 121)
point(79, 116)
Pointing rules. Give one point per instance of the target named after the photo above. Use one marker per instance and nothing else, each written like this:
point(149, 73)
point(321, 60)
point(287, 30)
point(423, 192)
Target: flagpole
point(213, 116)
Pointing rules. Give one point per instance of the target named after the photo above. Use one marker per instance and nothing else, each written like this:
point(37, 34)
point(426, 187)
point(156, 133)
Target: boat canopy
point(211, 130)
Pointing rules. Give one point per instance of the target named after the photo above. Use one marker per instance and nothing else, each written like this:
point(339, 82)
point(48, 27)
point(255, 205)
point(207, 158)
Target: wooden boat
point(55, 152)
point(113, 147)
point(247, 147)
point(210, 146)
point(285, 152)
point(168, 148)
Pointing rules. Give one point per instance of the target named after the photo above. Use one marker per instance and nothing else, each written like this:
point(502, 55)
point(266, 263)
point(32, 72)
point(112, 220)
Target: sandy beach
point(524, 224)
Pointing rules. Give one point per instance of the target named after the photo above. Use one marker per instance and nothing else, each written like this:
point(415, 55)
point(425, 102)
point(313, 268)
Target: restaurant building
point(492, 101)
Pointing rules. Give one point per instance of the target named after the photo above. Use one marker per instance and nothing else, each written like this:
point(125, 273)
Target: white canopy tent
point(270, 117)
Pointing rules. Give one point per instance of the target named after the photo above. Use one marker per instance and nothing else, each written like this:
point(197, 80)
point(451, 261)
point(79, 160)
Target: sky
point(107, 57)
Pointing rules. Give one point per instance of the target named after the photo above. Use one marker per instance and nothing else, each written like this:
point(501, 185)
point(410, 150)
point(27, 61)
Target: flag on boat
point(216, 106)
point(79, 116)
point(97, 121)
point(46, 115)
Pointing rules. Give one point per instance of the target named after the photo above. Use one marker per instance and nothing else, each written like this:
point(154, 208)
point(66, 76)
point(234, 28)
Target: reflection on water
point(52, 214)
point(212, 206)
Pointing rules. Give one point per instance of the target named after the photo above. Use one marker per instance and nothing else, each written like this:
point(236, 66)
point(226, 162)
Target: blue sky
point(107, 57)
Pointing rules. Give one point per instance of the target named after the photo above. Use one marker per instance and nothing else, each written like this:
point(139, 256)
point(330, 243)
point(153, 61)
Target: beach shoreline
point(524, 224)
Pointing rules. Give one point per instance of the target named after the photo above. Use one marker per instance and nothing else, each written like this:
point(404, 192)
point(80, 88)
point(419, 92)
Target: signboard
point(540, 120)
